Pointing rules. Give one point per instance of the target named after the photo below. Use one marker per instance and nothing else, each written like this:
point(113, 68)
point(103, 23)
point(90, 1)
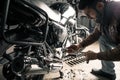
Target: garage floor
point(80, 71)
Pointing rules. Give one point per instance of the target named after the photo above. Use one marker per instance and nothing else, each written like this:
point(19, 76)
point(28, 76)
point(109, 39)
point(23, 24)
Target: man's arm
point(110, 55)
point(91, 38)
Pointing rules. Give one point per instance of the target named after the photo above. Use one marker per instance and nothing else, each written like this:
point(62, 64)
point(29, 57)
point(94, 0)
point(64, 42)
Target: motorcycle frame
point(4, 20)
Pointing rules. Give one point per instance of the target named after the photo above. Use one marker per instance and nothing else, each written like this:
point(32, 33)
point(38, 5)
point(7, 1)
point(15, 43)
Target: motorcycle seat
point(52, 14)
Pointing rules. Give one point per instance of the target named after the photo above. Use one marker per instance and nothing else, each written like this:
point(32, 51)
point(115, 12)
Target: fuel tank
point(52, 14)
point(64, 8)
point(21, 11)
point(68, 13)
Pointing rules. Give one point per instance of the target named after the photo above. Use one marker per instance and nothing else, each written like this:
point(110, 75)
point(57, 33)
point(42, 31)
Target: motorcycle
point(33, 36)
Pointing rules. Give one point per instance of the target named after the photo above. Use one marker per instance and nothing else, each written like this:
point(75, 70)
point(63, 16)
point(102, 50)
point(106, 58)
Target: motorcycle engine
point(41, 62)
point(31, 66)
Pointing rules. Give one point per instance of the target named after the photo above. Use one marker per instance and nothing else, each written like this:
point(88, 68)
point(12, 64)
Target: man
point(107, 14)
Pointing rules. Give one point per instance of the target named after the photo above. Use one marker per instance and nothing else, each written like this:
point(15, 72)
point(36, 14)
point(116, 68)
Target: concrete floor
point(80, 71)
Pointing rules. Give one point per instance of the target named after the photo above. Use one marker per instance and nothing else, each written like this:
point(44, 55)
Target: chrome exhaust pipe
point(36, 70)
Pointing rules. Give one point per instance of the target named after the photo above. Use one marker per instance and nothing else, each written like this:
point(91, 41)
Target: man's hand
point(73, 48)
point(90, 55)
